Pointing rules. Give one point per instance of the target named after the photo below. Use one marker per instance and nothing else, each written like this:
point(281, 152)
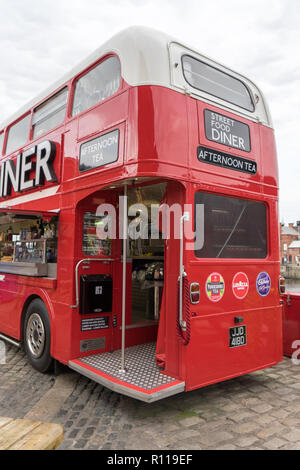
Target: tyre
point(37, 336)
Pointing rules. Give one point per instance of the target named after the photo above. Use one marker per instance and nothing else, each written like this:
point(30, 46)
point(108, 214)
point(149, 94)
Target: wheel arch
point(29, 299)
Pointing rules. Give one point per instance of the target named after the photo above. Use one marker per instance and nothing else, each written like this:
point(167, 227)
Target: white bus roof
point(150, 57)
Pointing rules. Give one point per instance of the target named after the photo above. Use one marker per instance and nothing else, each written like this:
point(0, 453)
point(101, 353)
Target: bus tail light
point(281, 285)
point(195, 293)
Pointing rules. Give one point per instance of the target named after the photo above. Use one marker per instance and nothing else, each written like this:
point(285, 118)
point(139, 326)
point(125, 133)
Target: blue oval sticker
point(263, 284)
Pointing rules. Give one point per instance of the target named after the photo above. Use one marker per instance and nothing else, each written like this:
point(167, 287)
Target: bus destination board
point(99, 151)
point(225, 160)
point(227, 131)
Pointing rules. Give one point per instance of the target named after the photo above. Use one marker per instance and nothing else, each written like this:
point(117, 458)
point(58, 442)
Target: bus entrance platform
point(142, 379)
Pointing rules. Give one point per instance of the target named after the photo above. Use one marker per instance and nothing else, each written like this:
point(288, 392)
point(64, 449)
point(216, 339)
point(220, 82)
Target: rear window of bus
point(50, 114)
point(233, 228)
point(213, 81)
point(18, 134)
point(97, 85)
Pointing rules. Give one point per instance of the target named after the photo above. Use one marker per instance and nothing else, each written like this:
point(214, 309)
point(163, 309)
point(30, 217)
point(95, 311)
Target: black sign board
point(237, 336)
point(225, 160)
point(227, 131)
point(92, 324)
point(99, 151)
point(95, 294)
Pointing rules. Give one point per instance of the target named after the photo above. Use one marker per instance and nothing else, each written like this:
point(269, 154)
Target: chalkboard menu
point(92, 245)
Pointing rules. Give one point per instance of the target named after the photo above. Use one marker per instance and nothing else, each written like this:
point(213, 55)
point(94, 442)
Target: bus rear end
point(200, 144)
point(235, 319)
point(157, 305)
point(231, 300)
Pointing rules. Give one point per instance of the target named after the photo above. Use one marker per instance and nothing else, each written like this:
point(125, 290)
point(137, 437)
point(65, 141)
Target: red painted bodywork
point(160, 130)
point(291, 324)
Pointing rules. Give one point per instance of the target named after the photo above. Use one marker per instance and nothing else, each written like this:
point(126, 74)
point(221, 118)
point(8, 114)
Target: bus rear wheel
point(37, 336)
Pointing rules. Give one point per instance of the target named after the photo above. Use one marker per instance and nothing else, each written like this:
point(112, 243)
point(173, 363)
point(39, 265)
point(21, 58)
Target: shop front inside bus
point(102, 270)
point(146, 250)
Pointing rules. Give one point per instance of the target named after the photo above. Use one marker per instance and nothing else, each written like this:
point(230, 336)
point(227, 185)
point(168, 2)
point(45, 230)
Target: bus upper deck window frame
point(87, 73)
point(15, 125)
point(53, 113)
point(250, 109)
point(1, 142)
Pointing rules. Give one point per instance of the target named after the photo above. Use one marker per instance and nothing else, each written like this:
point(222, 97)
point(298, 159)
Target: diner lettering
point(17, 174)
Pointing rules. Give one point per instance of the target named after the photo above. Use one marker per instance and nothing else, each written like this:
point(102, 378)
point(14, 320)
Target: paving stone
point(269, 431)
point(265, 419)
point(227, 447)
point(280, 413)
point(246, 442)
point(291, 446)
point(275, 444)
point(290, 422)
point(293, 435)
point(262, 408)
point(242, 416)
point(187, 422)
point(257, 411)
point(215, 438)
point(246, 428)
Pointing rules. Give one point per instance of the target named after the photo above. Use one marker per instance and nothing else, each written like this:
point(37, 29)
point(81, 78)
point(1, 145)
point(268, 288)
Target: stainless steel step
point(142, 380)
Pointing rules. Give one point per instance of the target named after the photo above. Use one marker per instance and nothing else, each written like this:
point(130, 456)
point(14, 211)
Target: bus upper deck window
point(210, 80)
point(96, 85)
point(1, 142)
point(50, 114)
point(229, 227)
point(18, 134)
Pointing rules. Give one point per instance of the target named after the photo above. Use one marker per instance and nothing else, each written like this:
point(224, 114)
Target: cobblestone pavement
point(257, 411)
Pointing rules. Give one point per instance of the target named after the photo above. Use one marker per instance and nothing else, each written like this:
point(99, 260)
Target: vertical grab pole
point(184, 218)
point(125, 232)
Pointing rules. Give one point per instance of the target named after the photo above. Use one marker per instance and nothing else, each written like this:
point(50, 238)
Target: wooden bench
point(22, 434)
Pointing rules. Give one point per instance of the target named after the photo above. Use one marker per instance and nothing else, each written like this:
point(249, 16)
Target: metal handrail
point(124, 276)
point(86, 260)
point(182, 274)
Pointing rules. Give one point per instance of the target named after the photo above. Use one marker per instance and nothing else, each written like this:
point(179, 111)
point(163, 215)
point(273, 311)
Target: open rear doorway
point(146, 252)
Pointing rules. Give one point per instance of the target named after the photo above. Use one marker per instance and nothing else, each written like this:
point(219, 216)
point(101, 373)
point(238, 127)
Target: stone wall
point(290, 271)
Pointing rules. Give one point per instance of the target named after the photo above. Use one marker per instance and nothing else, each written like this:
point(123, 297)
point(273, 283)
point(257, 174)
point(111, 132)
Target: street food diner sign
point(230, 133)
point(227, 131)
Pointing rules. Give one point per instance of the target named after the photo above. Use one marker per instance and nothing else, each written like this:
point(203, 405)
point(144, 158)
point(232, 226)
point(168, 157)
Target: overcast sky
point(42, 39)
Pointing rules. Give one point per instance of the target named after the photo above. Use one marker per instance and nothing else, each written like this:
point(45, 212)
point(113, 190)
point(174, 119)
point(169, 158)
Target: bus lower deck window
point(233, 228)
point(27, 238)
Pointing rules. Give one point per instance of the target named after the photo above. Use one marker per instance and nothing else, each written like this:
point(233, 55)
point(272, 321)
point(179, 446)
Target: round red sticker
point(240, 285)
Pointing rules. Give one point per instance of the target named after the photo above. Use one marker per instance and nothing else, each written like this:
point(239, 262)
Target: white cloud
point(41, 40)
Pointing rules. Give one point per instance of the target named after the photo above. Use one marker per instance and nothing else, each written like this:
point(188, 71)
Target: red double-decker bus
point(139, 221)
